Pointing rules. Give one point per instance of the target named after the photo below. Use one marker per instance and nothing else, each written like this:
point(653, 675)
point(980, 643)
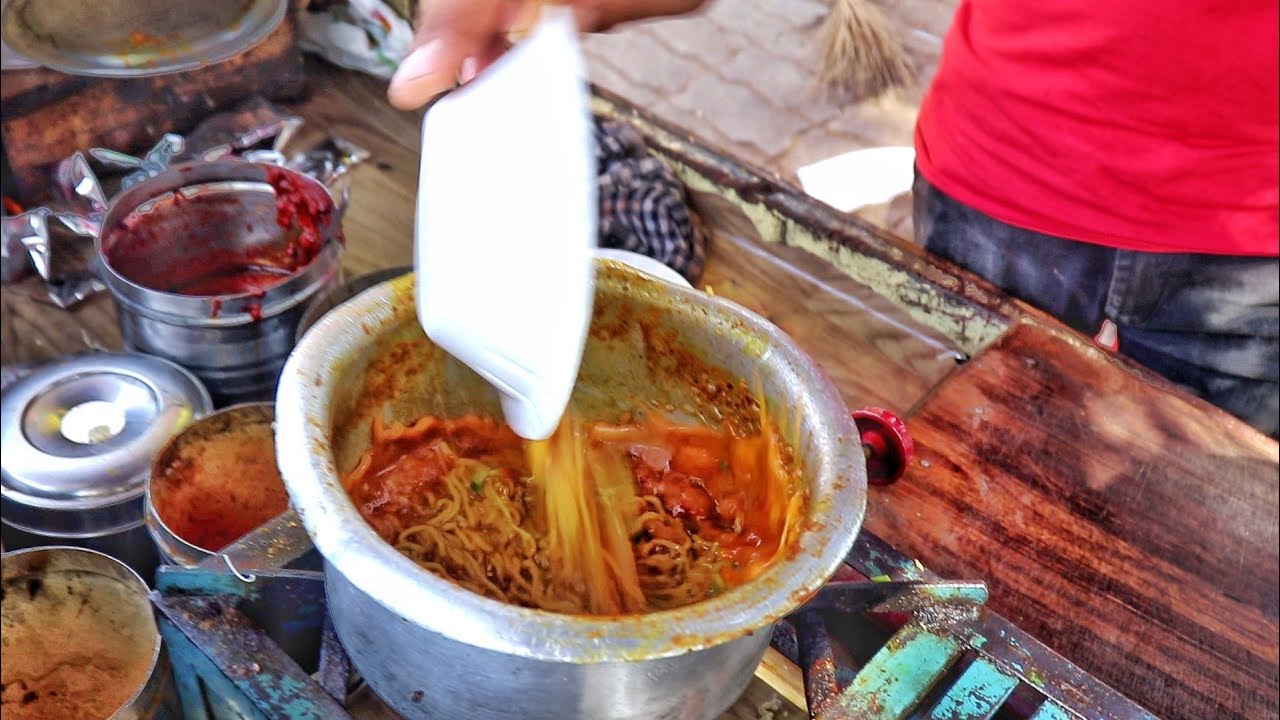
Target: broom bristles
point(862, 54)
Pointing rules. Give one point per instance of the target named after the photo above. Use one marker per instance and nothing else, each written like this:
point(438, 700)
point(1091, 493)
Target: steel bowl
point(76, 624)
point(235, 343)
point(430, 648)
point(210, 484)
point(136, 38)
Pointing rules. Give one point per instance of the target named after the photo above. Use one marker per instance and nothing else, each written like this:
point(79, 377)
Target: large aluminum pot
point(432, 649)
point(197, 217)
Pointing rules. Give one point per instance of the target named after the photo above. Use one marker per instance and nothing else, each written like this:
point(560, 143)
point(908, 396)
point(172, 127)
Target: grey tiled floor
point(742, 76)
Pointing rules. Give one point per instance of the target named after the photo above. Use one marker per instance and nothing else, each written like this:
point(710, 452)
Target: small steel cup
point(210, 485)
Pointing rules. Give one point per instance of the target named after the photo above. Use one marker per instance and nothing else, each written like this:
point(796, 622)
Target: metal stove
point(248, 636)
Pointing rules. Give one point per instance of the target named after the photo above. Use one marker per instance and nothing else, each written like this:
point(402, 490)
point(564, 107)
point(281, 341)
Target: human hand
point(457, 39)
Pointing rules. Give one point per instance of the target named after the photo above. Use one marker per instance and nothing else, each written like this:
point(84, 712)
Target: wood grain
point(33, 330)
point(1130, 529)
point(379, 221)
point(48, 115)
point(783, 676)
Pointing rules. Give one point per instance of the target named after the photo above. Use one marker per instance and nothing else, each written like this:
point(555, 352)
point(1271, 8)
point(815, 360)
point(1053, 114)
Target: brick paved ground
point(741, 75)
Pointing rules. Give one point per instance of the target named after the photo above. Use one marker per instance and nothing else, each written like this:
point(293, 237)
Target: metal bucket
point(432, 649)
point(213, 483)
point(80, 640)
point(165, 240)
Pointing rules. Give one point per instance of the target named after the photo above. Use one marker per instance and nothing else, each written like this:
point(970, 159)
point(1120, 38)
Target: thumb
point(451, 31)
point(426, 72)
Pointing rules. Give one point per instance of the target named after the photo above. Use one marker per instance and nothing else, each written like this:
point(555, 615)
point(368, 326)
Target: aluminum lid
point(129, 38)
point(78, 436)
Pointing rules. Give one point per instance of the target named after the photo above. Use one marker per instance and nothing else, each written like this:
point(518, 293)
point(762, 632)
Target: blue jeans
point(1210, 323)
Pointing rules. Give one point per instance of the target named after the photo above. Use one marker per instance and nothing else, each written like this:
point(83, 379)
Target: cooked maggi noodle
point(601, 519)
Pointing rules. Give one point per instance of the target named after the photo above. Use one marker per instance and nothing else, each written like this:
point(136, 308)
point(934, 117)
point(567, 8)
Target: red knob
point(886, 443)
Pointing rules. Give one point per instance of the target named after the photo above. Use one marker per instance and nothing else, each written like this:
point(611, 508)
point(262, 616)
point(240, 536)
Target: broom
point(862, 54)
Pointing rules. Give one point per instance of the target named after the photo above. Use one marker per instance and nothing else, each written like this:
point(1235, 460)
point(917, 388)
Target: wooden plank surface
point(1130, 529)
point(47, 115)
point(874, 353)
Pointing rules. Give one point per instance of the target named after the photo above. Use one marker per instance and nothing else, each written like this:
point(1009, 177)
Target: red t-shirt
point(1137, 124)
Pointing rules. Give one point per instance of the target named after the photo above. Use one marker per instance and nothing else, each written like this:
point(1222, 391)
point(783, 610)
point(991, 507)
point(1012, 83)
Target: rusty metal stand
point(249, 637)
point(245, 635)
point(888, 640)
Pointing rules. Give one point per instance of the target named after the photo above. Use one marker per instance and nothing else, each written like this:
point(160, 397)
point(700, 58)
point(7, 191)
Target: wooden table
point(1130, 528)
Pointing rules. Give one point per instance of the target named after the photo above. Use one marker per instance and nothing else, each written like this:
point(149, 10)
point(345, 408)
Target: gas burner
point(885, 640)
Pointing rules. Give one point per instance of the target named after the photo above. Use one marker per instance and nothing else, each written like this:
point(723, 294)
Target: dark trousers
point(1209, 323)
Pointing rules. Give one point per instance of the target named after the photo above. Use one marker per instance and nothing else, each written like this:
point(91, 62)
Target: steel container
point(78, 439)
point(78, 625)
point(432, 649)
point(235, 343)
point(206, 481)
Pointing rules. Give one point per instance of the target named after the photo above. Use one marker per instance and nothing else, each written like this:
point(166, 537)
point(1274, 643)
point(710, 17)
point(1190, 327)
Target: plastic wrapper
point(48, 251)
point(365, 35)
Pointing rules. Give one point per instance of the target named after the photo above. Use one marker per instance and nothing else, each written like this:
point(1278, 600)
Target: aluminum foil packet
point(48, 251)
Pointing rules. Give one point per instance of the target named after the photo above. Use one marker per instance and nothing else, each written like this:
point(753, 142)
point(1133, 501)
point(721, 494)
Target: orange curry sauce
point(735, 491)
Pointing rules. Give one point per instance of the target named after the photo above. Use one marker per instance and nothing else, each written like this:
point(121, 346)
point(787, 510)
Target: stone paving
point(741, 75)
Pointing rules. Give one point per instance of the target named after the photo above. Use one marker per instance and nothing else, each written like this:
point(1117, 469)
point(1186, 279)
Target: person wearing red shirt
point(1118, 165)
point(1115, 164)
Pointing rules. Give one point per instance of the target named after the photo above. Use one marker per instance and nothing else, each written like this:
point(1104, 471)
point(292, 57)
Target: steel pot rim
point(197, 172)
point(352, 548)
point(233, 309)
point(362, 282)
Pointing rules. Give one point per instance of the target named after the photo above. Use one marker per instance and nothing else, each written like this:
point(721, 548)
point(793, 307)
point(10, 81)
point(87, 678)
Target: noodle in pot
point(601, 519)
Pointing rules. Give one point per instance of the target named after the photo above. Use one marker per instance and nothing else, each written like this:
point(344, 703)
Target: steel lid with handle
point(79, 436)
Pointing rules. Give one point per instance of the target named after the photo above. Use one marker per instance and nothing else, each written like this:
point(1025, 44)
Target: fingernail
point(418, 63)
point(468, 71)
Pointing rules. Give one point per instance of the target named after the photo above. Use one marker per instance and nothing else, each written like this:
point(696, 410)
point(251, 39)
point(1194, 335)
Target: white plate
point(860, 178)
